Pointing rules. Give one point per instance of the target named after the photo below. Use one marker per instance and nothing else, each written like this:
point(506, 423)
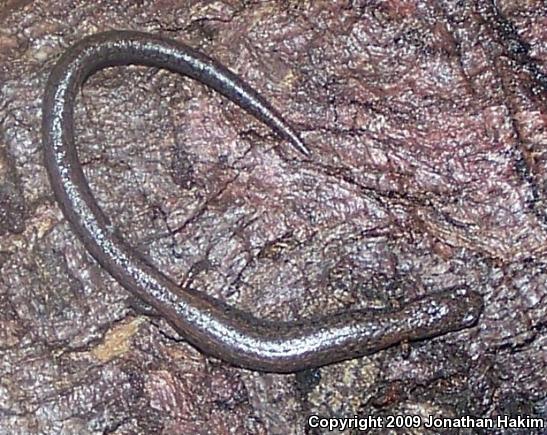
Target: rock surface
point(427, 121)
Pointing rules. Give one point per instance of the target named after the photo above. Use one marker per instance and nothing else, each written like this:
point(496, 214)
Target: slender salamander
point(207, 323)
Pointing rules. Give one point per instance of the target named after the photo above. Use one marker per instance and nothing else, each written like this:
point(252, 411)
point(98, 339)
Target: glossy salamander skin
point(207, 323)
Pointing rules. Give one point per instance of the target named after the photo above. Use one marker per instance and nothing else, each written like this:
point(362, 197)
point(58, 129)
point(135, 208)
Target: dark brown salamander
point(208, 324)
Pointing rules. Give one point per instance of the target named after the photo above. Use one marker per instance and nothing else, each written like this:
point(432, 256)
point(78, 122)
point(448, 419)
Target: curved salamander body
point(208, 324)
